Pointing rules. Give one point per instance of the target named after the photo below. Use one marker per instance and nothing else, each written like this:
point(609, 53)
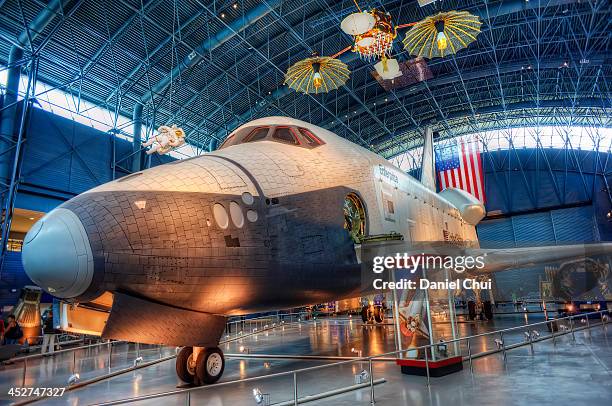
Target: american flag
point(459, 165)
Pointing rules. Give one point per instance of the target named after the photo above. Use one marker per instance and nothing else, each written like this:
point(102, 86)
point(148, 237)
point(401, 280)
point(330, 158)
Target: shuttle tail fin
point(428, 172)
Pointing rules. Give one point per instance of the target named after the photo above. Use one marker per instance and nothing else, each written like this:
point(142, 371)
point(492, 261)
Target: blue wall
point(570, 181)
point(61, 158)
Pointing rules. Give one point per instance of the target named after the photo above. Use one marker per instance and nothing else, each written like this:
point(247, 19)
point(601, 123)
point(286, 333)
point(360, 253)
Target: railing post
point(552, 330)
point(571, 319)
point(372, 401)
point(25, 366)
point(427, 365)
point(470, 356)
point(110, 354)
point(73, 361)
point(503, 345)
point(588, 324)
point(530, 341)
point(188, 399)
point(295, 389)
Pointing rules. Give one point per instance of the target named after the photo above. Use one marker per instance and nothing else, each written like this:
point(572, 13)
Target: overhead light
point(222, 15)
point(235, 6)
point(31, 218)
point(441, 39)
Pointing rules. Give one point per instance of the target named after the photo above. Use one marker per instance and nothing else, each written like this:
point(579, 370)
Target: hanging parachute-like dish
point(442, 34)
point(317, 74)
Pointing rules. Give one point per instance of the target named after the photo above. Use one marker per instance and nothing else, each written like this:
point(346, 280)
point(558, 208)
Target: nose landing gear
point(200, 365)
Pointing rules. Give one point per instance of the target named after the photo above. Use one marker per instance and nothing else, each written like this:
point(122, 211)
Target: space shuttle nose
point(57, 256)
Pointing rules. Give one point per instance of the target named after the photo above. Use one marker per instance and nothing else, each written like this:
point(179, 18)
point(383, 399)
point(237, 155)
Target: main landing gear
point(200, 365)
point(373, 314)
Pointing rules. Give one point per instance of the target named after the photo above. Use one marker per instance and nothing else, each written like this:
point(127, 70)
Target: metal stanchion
point(588, 324)
point(571, 319)
point(188, 398)
point(73, 362)
point(530, 341)
point(427, 365)
point(25, 367)
point(503, 345)
point(372, 400)
point(470, 356)
point(110, 355)
point(295, 389)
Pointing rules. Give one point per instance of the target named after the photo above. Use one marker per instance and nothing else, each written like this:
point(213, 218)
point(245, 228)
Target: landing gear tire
point(210, 365)
point(364, 314)
point(186, 365)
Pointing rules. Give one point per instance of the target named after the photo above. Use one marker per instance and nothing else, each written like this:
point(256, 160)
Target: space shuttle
point(273, 219)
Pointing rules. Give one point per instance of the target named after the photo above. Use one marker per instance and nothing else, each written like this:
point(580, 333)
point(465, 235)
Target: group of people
point(12, 333)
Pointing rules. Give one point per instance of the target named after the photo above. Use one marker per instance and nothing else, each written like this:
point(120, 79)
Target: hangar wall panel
point(63, 158)
point(555, 227)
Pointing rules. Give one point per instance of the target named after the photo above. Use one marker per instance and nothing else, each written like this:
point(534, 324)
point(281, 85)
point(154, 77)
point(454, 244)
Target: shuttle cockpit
point(283, 134)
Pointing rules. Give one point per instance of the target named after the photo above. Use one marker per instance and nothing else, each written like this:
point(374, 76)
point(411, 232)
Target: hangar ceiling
point(210, 66)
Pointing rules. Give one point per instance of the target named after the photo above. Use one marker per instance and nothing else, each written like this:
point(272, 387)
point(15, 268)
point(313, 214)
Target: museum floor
point(566, 372)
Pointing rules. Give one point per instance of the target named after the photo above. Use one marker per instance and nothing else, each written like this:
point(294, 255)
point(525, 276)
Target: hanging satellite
point(317, 74)
point(358, 23)
point(373, 34)
point(388, 69)
point(442, 34)
point(378, 40)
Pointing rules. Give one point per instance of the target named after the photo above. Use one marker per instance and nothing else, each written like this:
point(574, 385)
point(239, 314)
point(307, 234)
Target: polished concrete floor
point(567, 372)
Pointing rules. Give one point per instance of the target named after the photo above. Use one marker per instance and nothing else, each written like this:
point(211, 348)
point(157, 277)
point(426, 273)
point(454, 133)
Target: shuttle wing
point(513, 258)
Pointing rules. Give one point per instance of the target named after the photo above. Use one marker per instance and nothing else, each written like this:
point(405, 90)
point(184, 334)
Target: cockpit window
point(257, 134)
point(285, 134)
point(310, 138)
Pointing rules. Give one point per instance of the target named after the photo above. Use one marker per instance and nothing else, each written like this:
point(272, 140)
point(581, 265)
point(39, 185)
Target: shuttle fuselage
point(252, 226)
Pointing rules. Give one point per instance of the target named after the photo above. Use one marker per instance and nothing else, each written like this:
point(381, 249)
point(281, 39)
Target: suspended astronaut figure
point(167, 138)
